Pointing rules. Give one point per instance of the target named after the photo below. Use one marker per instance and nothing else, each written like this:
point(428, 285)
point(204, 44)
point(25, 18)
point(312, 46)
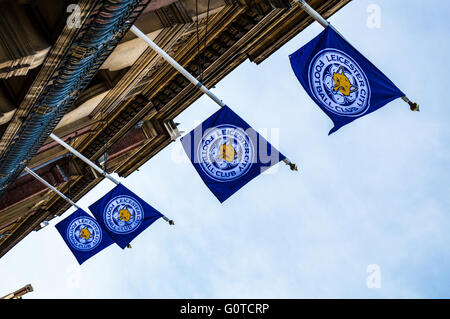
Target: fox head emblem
point(227, 152)
point(342, 83)
point(125, 215)
point(85, 233)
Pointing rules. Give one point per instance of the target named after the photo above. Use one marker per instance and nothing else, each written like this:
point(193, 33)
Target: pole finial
point(292, 166)
point(412, 105)
point(170, 221)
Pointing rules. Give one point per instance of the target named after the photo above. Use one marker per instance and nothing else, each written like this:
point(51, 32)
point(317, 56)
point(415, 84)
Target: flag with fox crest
point(83, 235)
point(123, 214)
point(342, 82)
point(228, 153)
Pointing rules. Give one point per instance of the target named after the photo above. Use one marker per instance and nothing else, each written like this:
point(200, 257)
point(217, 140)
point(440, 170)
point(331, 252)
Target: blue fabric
point(123, 214)
point(83, 235)
point(341, 80)
point(227, 153)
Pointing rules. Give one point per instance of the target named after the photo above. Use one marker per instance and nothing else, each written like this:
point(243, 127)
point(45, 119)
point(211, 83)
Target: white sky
point(375, 192)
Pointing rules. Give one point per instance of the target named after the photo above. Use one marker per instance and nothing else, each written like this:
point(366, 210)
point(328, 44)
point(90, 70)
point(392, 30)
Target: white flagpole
point(189, 76)
point(43, 181)
point(93, 165)
point(314, 14)
point(175, 64)
point(83, 158)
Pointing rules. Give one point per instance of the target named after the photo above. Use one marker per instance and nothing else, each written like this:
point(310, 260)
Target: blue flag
point(341, 80)
point(83, 235)
point(227, 153)
point(123, 214)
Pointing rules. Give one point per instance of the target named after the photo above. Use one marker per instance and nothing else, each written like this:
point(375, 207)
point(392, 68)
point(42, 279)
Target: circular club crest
point(123, 214)
point(338, 83)
point(84, 233)
point(226, 153)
